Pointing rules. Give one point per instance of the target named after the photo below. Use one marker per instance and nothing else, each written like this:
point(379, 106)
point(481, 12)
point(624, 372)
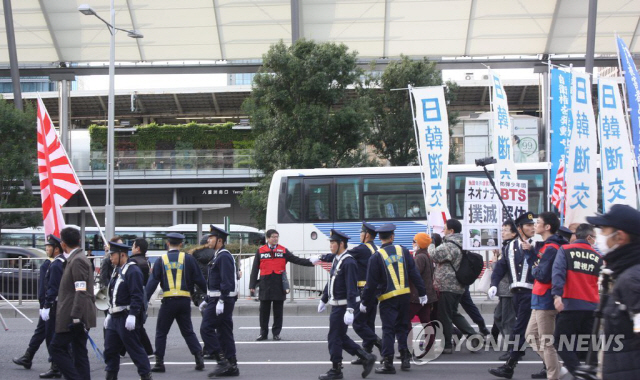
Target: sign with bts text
point(484, 214)
point(432, 123)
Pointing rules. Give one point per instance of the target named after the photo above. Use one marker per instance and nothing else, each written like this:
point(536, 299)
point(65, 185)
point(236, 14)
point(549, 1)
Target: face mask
point(601, 243)
point(415, 247)
point(416, 209)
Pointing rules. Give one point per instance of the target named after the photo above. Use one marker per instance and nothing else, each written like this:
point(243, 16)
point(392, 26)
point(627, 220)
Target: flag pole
point(79, 183)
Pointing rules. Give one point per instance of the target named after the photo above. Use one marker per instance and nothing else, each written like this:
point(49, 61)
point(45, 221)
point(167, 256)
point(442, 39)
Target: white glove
point(45, 314)
point(106, 321)
point(203, 304)
point(220, 307)
point(348, 317)
point(492, 292)
point(314, 259)
point(363, 309)
point(40, 313)
point(130, 323)
point(322, 307)
point(423, 300)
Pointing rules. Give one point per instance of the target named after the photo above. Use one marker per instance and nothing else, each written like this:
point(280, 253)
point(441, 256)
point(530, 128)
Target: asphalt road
point(302, 354)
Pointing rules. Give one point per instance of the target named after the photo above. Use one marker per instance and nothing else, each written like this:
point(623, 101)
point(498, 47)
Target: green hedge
point(169, 137)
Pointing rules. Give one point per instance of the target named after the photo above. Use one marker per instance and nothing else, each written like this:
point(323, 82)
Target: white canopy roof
point(52, 31)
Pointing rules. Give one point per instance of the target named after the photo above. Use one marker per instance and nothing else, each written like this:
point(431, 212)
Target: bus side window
point(318, 201)
point(348, 194)
point(294, 198)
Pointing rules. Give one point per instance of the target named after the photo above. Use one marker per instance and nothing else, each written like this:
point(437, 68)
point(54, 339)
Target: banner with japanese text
point(632, 79)
point(483, 212)
point(505, 168)
point(432, 123)
point(615, 150)
point(581, 167)
point(561, 121)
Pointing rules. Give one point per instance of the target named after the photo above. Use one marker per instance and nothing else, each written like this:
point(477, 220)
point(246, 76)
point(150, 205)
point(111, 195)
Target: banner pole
point(548, 155)
point(422, 176)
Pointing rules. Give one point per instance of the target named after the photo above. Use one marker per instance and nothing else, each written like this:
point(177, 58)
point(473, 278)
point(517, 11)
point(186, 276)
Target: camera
point(485, 161)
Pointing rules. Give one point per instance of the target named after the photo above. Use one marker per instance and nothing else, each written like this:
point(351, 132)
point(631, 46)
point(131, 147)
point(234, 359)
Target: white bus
point(304, 204)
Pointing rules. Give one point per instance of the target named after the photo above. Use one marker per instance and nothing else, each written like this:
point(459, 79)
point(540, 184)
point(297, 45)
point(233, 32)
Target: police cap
point(620, 217)
point(565, 232)
point(217, 232)
point(175, 235)
point(526, 218)
point(117, 248)
point(386, 228)
point(338, 236)
point(369, 228)
point(53, 240)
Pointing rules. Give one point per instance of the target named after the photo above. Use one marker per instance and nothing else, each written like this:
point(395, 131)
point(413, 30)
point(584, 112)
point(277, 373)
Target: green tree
point(17, 163)
point(300, 113)
point(392, 129)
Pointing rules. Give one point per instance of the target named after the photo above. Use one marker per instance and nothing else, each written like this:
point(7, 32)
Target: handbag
point(485, 281)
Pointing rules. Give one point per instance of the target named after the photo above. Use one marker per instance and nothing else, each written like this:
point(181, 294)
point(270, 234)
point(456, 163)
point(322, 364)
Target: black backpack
point(470, 268)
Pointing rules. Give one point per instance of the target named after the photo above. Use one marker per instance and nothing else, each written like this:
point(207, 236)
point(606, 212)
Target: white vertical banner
point(505, 168)
point(432, 124)
point(616, 156)
point(581, 168)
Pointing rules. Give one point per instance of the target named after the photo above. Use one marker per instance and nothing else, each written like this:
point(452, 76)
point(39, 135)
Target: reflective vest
point(175, 287)
point(272, 261)
point(396, 284)
point(583, 268)
point(540, 288)
point(361, 284)
point(112, 302)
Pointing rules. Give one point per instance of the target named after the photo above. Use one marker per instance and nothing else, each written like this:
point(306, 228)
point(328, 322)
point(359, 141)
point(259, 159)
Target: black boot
point(358, 360)
point(24, 360)
point(232, 369)
point(482, 326)
point(111, 376)
point(540, 375)
point(368, 360)
point(214, 356)
point(199, 361)
point(146, 377)
point(405, 360)
point(378, 345)
point(505, 370)
point(223, 366)
point(387, 367)
point(334, 373)
point(159, 366)
point(52, 373)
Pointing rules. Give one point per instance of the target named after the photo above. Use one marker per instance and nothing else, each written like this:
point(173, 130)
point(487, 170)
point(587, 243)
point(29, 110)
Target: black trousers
point(50, 328)
point(76, 367)
point(217, 330)
point(39, 335)
point(522, 306)
point(118, 337)
point(572, 323)
point(364, 324)
point(265, 311)
point(470, 308)
point(394, 313)
point(144, 339)
point(338, 339)
point(175, 309)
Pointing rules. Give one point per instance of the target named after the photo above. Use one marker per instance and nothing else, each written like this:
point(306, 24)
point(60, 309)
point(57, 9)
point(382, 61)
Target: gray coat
point(75, 296)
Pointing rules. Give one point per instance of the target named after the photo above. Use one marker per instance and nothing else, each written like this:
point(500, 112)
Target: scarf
point(623, 258)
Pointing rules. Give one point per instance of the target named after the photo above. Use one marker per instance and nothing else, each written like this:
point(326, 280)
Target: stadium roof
point(206, 30)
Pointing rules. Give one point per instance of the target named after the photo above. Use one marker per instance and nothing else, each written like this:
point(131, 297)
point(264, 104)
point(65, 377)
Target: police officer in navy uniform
point(177, 273)
point(222, 293)
point(516, 262)
point(364, 324)
point(39, 334)
point(342, 293)
point(126, 312)
point(386, 267)
point(52, 284)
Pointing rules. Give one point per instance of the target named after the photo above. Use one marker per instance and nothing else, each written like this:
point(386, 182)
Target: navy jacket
point(42, 283)
point(503, 268)
point(191, 275)
point(377, 276)
point(345, 283)
point(222, 275)
point(130, 291)
point(543, 269)
point(52, 279)
point(361, 254)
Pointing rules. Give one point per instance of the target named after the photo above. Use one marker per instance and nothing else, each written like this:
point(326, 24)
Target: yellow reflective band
point(370, 246)
point(175, 287)
point(361, 284)
point(396, 278)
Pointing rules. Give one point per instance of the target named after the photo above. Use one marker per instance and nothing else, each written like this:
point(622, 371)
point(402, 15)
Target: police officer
point(342, 293)
point(619, 243)
point(364, 324)
point(386, 267)
point(222, 293)
point(126, 311)
point(39, 334)
point(139, 258)
point(177, 273)
point(516, 262)
point(52, 284)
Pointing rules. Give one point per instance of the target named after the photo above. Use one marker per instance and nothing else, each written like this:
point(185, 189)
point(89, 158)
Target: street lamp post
point(110, 210)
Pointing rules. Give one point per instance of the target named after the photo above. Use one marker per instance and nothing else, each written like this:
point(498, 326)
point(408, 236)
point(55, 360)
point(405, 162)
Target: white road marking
point(313, 327)
point(328, 362)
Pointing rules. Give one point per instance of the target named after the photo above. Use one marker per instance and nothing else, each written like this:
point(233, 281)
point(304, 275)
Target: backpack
point(471, 265)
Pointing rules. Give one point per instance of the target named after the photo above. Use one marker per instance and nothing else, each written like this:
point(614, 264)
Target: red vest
point(583, 268)
point(539, 288)
point(272, 261)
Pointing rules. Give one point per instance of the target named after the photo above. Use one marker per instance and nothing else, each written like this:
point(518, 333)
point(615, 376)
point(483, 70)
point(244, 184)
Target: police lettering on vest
point(175, 287)
point(583, 268)
point(272, 261)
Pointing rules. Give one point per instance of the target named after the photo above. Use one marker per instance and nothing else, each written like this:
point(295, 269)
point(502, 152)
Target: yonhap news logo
point(425, 342)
